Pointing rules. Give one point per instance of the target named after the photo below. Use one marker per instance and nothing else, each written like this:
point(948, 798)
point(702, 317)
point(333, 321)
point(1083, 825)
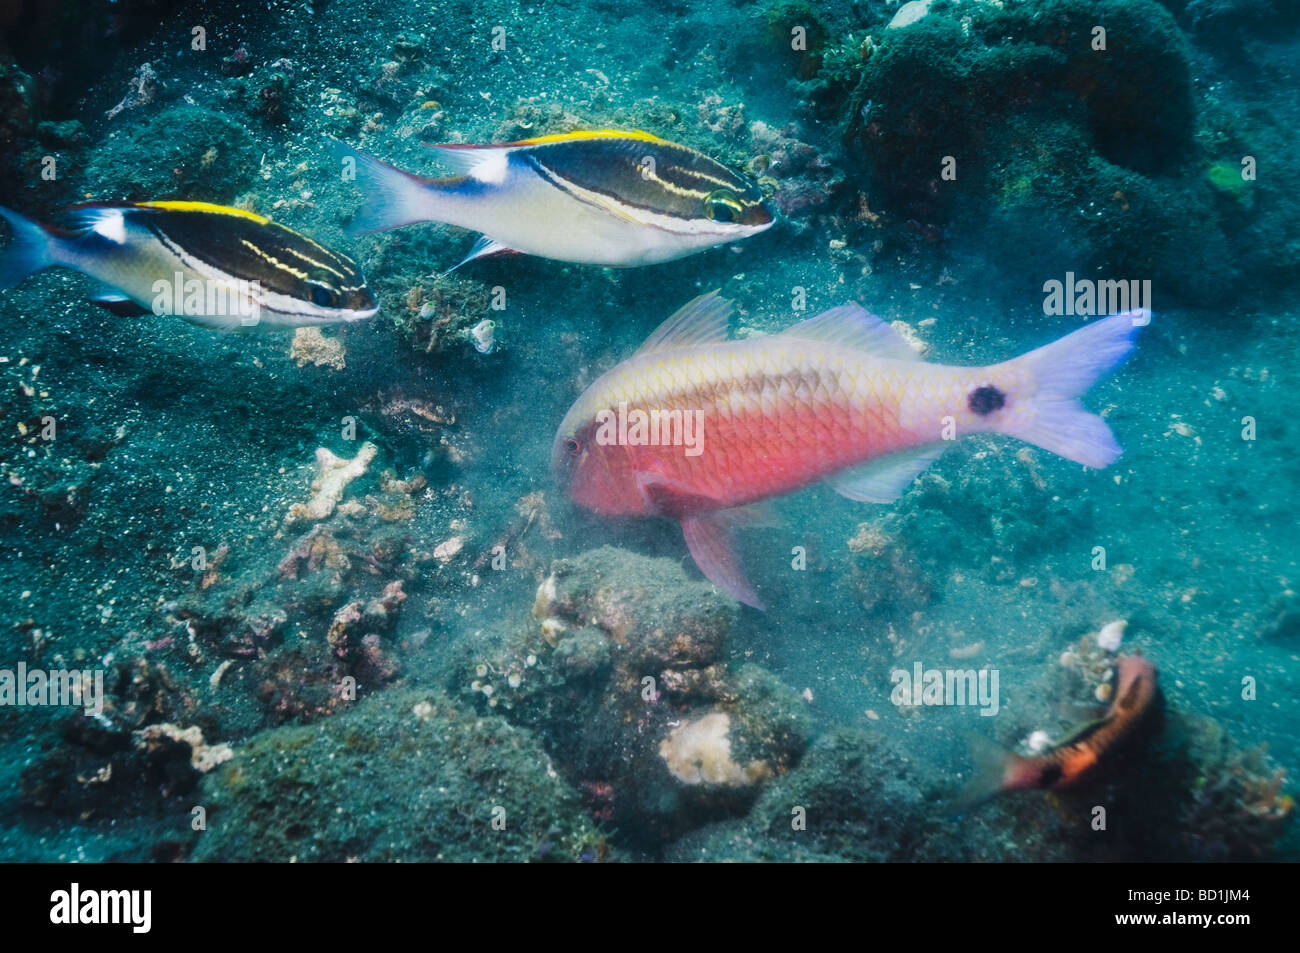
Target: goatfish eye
point(573, 447)
point(722, 205)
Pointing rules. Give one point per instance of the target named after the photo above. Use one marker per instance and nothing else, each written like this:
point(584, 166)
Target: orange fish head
point(596, 474)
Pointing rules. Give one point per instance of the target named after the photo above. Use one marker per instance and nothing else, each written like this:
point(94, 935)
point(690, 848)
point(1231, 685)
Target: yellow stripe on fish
point(602, 197)
point(589, 134)
point(211, 264)
point(175, 205)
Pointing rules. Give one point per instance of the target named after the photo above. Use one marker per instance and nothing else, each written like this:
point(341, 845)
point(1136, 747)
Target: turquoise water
point(378, 682)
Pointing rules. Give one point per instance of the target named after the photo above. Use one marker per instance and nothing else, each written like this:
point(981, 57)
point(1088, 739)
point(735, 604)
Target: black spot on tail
point(984, 400)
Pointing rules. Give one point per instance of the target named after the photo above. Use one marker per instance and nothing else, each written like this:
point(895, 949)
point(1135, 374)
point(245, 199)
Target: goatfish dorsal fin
point(850, 326)
point(701, 320)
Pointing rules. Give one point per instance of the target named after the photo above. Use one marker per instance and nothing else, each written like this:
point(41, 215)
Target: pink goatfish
point(694, 426)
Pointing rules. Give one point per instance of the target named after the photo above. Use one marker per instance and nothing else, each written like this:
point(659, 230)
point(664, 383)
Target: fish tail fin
point(393, 198)
point(1051, 416)
point(993, 766)
point(30, 250)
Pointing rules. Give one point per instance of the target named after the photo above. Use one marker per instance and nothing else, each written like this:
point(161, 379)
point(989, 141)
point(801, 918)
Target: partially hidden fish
point(210, 264)
point(695, 426)
point(1083, 754)
point(598, 197)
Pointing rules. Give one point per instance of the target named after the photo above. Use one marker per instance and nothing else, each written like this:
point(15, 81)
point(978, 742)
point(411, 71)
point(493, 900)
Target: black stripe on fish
point(279, 259)
point(660, 177)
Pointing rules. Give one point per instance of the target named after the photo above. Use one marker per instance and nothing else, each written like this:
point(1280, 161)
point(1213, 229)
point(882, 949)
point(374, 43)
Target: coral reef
point(438, 315)
point(1026, 126)
point(1236, 809)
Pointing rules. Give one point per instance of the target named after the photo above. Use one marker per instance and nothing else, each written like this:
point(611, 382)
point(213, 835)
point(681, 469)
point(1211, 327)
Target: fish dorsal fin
point(850, 326)
point(884, 479)
point(107, 221)
point(701, 320)
point(485, 163)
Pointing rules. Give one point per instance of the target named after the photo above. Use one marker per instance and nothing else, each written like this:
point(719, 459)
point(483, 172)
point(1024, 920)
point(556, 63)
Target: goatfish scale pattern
point(152, 256)
point(694, 426)
point(601, 197)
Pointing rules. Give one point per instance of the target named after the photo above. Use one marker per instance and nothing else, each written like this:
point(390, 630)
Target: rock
point(622, 669)
point(403, 776)
point(194, 154)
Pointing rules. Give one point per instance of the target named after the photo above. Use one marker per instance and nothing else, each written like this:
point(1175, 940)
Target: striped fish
point(693, 425)
point(600, 197)
point(213, 265)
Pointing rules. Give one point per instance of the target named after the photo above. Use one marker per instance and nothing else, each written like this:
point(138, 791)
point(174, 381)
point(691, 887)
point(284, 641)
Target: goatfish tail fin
point(1050, 415)
point(995, 769)
point(30, 249)
point(393, 198)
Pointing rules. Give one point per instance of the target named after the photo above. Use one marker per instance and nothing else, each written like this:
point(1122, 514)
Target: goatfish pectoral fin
point(711, 540)
point(393, 198)
point(29, 251)
point(709, 530)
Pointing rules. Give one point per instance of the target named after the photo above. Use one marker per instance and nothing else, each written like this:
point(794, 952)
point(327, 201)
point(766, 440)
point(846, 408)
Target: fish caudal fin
point(712, 543)
point(393, 198)
point(1050, 416)
point(993, 766)
point(28, 251)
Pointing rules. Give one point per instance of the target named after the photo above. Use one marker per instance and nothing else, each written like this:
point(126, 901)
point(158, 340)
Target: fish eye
point(324, 297)
point(722, 205)
point(573, 447)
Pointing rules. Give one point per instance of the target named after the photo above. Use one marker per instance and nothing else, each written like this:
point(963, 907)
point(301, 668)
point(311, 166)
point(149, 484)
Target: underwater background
point(447, 660)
